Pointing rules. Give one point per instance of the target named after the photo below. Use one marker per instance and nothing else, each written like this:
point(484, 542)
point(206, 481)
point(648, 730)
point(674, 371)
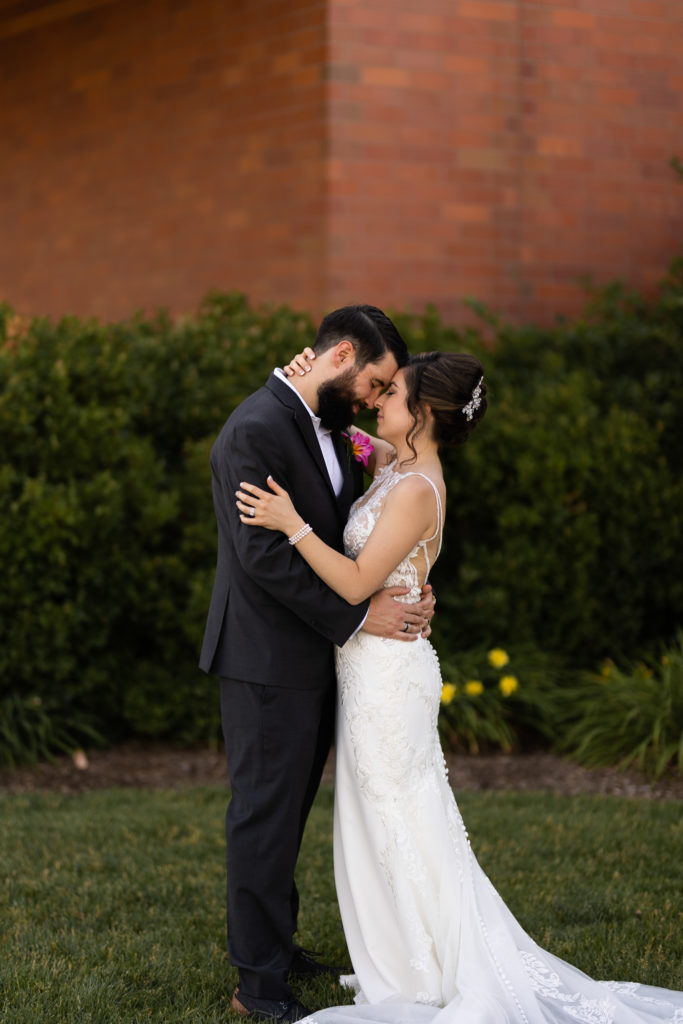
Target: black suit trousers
point(277, 740)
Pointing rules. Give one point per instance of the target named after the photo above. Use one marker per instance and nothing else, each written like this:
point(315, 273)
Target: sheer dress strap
point(439, 519)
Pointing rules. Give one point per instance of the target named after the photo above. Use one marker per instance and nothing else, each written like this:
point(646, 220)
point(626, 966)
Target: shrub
point(564, 530)
point(565, 519)
point(495, 700)
point(32, 731)
point(627, 715)
point(108, 535)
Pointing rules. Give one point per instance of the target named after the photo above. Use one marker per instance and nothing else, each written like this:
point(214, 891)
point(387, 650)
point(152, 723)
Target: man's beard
point(336, 400)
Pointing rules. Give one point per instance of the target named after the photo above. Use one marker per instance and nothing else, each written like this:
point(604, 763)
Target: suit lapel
point(306, 428)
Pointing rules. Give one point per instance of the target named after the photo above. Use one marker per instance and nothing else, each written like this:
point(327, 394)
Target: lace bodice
point(414, 569)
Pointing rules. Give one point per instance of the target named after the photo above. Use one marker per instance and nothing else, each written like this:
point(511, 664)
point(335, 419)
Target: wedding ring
point(406, 628)
point(252, 511)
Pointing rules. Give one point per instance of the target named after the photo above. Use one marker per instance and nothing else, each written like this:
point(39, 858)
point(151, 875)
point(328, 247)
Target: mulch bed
point(160, 766)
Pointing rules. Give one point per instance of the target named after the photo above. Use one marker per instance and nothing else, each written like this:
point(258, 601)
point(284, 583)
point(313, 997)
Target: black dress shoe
point(284, 1011)
point(305, 966)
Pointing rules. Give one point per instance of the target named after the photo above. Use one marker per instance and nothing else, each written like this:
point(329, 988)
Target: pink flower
point(361, 447)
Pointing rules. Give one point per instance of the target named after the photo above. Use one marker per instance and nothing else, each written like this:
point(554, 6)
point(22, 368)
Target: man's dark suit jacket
point(271, 620)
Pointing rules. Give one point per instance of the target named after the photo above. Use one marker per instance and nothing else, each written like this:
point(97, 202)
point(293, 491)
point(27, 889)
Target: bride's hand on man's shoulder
point(272, 509)
point(301, 363)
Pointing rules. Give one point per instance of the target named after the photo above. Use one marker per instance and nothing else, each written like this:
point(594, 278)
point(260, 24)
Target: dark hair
point(369, 330)
point(445, 381)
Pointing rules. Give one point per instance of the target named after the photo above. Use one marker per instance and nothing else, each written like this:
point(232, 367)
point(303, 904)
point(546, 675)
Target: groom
point(271, 630)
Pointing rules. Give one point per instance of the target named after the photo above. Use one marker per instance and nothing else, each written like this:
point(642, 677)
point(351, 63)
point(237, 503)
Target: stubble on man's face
point(337, 401)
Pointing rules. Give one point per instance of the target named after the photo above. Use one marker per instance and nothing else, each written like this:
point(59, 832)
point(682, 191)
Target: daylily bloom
point(473, 687)
point(448, 692)
point(498, 657)
point(508, 685)
point(361, 447)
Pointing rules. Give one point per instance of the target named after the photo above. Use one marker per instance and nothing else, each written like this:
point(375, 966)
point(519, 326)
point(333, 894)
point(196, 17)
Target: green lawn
point(111, 907)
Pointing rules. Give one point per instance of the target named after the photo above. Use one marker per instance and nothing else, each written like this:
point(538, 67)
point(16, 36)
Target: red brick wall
point(151, 151)
point(316, 152)
point(502, 149)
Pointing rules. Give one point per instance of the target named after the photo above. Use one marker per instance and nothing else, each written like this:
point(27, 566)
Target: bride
point(429, 937)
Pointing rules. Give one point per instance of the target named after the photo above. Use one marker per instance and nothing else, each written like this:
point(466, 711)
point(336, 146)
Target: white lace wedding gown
point(430, 939)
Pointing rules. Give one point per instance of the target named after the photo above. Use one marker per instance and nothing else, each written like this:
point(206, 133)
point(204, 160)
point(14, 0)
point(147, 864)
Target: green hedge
point(108, 535)
point(564, 522)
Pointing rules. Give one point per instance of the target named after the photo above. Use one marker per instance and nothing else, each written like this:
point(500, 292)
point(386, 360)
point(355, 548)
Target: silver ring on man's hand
point(252, 511)
point(406, 628)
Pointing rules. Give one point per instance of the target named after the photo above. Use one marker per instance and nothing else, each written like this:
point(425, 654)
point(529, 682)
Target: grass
point(111, 905)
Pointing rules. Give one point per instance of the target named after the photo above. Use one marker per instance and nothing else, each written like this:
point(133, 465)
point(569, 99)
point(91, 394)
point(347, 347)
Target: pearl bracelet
point(300, 534)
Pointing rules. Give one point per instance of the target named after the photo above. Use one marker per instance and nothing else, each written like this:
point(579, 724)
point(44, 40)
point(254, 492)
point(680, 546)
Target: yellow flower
point(665, 659)
point(473, 687)
point(448, 692)
point(497, 657)
point(508, 685)
point(606, 668)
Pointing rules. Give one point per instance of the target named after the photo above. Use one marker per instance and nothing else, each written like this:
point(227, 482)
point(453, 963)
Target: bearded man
point(270, 633)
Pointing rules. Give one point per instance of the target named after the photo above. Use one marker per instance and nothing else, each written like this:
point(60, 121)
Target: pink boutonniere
point(360, 446)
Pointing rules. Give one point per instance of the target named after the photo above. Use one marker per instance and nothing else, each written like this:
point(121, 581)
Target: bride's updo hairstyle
point(451, 384)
